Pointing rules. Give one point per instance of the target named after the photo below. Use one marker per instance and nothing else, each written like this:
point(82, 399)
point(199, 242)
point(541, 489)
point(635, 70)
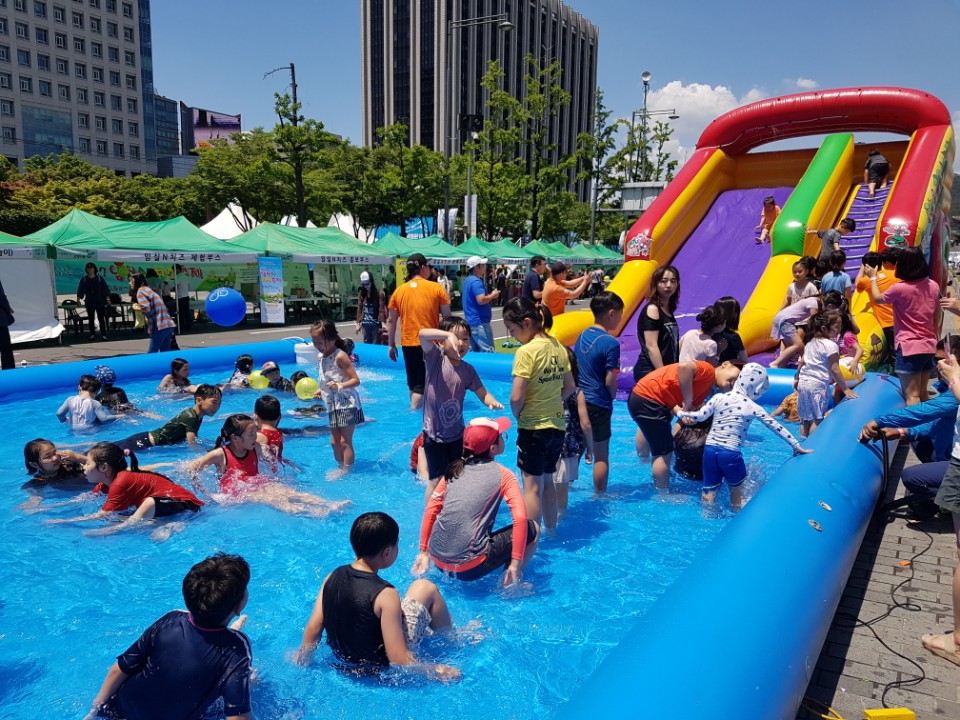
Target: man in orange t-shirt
point(658, 395)
point(886, 262)
point(418, 304)
point(557, 289)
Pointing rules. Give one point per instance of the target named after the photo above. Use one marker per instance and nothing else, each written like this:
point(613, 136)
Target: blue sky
point(705, 58)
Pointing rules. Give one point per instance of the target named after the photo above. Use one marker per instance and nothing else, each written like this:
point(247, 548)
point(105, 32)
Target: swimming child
point(271, 371)
point(369, 628)
point(111, 396)
point(185, 426)
point(802, 285)
point(541, 382)
point(732, 414)
point(768, 216)
point(82, 411)
point(788, 409)
point(237, 458)
point(178, 379)
point(313, 410)
point(448, 377)
point(339, 385)
point(350, 347)
point(821, 361)
point(61, 469)
point(577, 440)
point(457, 527)
point(785, 328)
point(188, 660)
point(699, 344)
point(267, 413)
point(152, 495)
point(241, 372)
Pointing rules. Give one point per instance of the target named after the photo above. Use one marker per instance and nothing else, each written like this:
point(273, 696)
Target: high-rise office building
point(404, 74)
point(167, 113)
point(77, 76)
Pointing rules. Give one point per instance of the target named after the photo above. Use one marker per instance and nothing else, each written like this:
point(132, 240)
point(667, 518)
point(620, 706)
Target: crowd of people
point(561, 402)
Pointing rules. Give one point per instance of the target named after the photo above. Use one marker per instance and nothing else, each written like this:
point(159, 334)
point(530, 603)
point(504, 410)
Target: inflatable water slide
point(704, 221)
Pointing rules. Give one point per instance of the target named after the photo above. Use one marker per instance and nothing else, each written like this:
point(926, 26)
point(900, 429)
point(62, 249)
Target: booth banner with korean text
point(271, 290)
point(201, 278)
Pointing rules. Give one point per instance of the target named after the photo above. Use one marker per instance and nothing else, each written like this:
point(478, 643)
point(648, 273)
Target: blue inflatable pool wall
point(739, 633)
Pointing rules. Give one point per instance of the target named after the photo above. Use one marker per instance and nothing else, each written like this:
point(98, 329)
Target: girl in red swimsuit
point(237, 458)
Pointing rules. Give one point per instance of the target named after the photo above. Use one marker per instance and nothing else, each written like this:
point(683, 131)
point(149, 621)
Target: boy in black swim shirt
point(185, 661)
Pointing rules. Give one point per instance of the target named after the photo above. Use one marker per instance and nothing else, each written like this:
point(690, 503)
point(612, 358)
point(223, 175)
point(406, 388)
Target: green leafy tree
point(354, 182)
point(407, 182)
point(305, 148)
point(500, 180)
point(242, 172)
point(600, 163)
point(642, 158)
point(549, 171)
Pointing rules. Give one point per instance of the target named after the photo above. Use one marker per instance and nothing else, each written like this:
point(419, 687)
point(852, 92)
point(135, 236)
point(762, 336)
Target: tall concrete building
point(404, 74)
point(77, 76)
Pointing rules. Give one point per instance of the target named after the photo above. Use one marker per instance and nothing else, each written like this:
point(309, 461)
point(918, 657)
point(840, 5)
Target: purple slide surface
point(719, 258)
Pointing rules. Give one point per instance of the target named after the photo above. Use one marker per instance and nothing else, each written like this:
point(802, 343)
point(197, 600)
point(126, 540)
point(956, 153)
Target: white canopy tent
point(232, 221)
point(291, 221)
point(27, 277)
point(344, 222)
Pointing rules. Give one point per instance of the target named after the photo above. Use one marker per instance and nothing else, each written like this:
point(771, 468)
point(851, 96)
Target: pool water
point(70, 603)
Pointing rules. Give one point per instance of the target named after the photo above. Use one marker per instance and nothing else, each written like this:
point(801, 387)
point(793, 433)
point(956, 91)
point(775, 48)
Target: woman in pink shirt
point(915, 303)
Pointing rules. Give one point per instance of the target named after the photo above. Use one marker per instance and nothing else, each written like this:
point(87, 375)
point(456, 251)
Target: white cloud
point(802, 83)
point(697, 105)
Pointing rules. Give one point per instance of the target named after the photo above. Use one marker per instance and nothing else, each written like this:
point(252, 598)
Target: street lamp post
point(641, 150)
point(502, 23)
point(643, 132)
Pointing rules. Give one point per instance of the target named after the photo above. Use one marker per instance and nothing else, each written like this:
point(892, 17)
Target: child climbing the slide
point(732, 414)
point(785, 329)
point(768, 216)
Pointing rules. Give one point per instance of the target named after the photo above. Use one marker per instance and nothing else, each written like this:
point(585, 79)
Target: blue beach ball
point(225, 306)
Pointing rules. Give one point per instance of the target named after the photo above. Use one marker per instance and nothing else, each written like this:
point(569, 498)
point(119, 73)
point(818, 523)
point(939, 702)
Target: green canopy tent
point(433, 247)
point(79, 235)
point(342, 254)
point(554, 251)
point(500, 250)
point(327, 245)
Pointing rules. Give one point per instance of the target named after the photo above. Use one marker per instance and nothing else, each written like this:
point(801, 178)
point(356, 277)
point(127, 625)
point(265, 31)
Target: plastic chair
point(72, 317)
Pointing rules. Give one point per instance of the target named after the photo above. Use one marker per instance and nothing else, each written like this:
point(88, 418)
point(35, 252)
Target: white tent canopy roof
point(344, 221)
point(291, 221)
point(232, 221)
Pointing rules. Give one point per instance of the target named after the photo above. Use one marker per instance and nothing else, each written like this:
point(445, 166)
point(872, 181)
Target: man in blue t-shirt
point(598, 361)
point(532, 284)
point(185, 661)
point(477, 310)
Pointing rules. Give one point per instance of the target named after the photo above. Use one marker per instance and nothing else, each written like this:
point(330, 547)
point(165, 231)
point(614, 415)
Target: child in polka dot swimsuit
point(732, 414)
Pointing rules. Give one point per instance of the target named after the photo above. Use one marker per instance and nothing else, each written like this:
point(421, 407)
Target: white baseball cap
point(475, 260)
point(364, 278)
